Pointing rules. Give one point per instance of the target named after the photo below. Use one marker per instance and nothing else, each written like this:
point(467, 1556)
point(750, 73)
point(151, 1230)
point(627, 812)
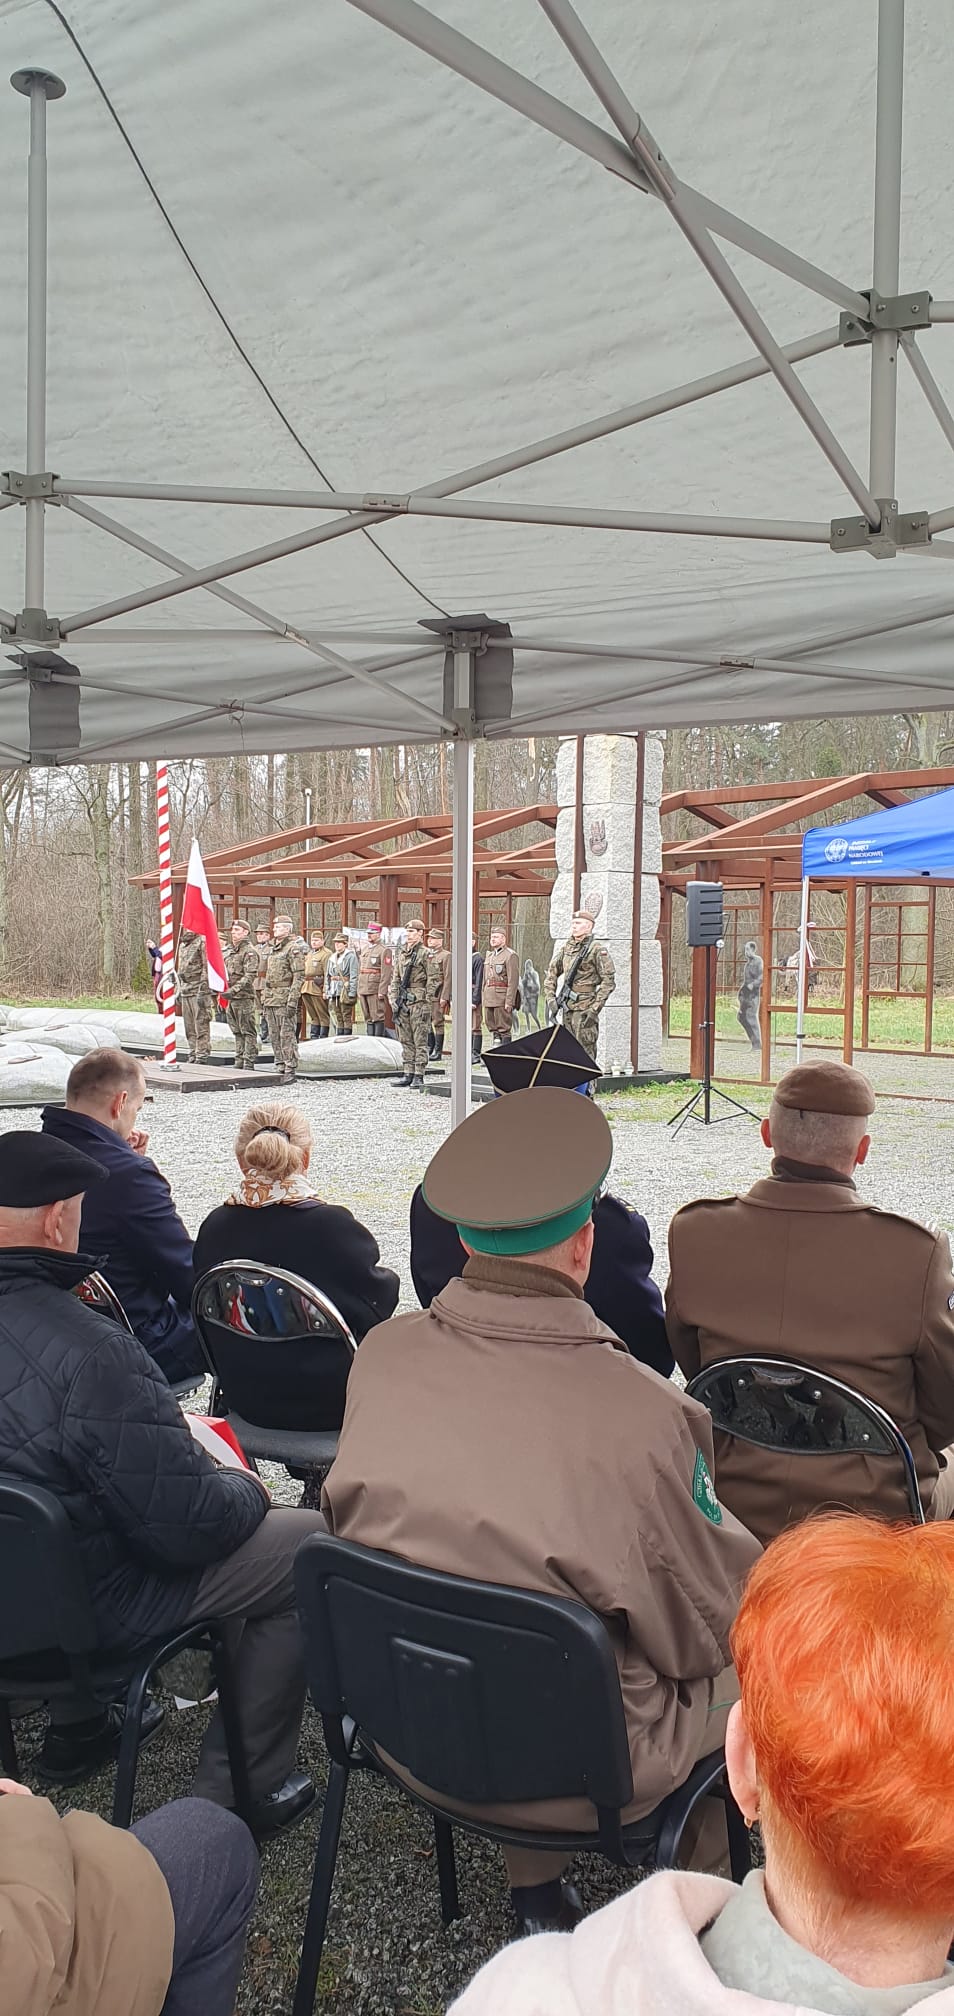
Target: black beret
point(36, 1170)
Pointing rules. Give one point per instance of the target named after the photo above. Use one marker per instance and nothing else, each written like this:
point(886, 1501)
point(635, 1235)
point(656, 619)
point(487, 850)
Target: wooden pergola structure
point(759, 855)
point(350, 872)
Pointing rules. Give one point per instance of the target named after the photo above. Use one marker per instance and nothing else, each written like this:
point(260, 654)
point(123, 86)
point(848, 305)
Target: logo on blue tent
point(836, 849)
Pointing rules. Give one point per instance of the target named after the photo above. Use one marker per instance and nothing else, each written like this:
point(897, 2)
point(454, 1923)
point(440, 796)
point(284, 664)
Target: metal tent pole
point(802, 972)
point(462, 898)
point(38, 86)
point(887, 244)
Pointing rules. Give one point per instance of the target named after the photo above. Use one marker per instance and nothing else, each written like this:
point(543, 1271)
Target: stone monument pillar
point(609, 809)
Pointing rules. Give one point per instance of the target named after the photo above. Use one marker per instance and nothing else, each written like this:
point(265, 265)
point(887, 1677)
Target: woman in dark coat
point(277, 1218)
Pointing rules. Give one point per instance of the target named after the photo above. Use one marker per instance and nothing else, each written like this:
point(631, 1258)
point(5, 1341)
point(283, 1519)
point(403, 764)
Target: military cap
point(545, 1057)
point(434, 931)
point(35, 1170)
point(340, 938)
point(374, 926)
point(826, 1088)
point(522, 1173)
point(414, 924)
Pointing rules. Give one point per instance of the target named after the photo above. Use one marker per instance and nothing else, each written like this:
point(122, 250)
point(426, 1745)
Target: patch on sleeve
point(703, 1491)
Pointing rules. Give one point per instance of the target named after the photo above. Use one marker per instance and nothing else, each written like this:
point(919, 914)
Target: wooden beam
point(833, 792)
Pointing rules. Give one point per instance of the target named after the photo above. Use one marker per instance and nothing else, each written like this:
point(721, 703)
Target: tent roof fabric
point(905, 841)
point(292, 253)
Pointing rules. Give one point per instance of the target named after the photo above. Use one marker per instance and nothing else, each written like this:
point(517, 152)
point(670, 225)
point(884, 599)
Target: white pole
point(36, 342)
point(166, 945)
point(462, 901)
point(802, 971)
point(887, 241)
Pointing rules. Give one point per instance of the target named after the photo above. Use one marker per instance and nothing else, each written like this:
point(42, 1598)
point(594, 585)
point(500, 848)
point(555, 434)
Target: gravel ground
point(386, 1953)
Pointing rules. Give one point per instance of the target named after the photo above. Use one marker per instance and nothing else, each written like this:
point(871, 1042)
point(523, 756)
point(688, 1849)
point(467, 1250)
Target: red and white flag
point(198, 915)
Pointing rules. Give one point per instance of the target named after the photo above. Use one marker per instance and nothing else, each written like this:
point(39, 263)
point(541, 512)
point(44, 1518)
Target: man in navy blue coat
point(620, 1287)
point(130, 1223)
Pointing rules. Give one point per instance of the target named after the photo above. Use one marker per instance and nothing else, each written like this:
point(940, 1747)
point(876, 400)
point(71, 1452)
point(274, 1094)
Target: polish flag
point(198, 915)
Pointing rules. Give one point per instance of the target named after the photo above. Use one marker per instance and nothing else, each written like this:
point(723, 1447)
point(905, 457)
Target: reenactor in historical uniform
point(241, 973)
point(263, 946)
point(476, 993)
point(547, 1458)
point(314, 1004)
point(284, 973)
point(804, 1268)
point(341, 983)
point(412, 1009)
point(195, 997)
point(501, 985)
point(438, 989)
point(374, 979)
point(579, 981)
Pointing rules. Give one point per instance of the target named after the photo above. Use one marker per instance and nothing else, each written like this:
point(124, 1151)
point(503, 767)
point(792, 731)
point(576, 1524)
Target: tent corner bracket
point(897, 531)
point(888, 315)
point(32, 626)
point(21, 487)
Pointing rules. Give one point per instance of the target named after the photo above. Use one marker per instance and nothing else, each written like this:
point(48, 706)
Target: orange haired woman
point(842, 1747)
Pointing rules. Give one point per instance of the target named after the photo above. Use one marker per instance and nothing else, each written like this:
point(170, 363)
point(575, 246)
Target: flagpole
point(166, 944)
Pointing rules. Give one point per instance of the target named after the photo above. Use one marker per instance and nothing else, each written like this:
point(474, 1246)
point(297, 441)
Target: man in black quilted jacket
point(165, 1534)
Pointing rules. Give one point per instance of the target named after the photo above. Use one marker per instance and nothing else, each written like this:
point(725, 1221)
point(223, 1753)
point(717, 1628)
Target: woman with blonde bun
point(277, 1218)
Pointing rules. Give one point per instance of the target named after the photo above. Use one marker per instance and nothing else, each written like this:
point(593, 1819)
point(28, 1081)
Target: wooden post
point(929, 971)
point(851, 920)
point(700, 1008)
point(579, 835)
point(665, 940)
point(344, 902)
point(636, 936)
point(303, 905)
point(766, 922)
point(865, 962)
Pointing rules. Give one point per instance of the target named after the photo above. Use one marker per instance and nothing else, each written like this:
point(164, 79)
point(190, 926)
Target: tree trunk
point(99, 822)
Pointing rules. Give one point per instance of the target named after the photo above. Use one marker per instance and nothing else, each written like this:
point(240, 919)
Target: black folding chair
point(96, 1292)
point(50, 1646)
point(280, 1354)
point(795, 1410)
point(486, 1695)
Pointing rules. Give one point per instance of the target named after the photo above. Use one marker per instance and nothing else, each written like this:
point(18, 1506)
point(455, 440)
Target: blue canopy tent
point(892, 846)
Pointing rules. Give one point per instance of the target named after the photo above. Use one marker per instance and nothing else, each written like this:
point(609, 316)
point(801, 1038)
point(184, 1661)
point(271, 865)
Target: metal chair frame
point(582, 1669)
point(314, 1295)
point(789, 1368)
point(105, 1298)
point(72, 1660)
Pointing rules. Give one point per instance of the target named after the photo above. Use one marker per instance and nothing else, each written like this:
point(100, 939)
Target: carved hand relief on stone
point(598, 841)
point(592, 904)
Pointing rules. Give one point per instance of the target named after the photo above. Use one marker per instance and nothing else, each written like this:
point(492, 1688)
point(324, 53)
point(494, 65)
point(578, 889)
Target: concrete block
point(649, 907)
point(566, 772)
point(565, 828)
point(653, 772)
point(650, 974)
point(609, 770)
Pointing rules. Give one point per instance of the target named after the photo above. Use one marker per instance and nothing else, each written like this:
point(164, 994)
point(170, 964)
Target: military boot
point(475, 1047)
point(416, 1083)
point(406, 1080)
point(438, 1050)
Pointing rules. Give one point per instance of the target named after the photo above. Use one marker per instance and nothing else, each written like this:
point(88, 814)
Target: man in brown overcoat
point(545, 1456)
point(804, 1268)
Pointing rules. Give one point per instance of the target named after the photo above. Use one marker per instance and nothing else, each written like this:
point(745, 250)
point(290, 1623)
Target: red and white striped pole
point(166, 937)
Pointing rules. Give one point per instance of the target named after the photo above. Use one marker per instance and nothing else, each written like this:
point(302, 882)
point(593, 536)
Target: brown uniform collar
point(517, 1277)
point(808, 1172)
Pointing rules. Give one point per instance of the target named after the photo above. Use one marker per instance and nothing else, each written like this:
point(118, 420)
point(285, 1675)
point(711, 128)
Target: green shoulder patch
point(703, 1491)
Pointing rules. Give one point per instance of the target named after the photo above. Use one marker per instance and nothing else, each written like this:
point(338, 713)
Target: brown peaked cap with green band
point(521, 1173)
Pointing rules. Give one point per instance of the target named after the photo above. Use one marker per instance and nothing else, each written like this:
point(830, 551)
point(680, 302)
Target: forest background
point(71, 925)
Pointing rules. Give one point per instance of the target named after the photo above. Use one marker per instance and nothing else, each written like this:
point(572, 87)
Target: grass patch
point(124, 1003)
point(897, 1024)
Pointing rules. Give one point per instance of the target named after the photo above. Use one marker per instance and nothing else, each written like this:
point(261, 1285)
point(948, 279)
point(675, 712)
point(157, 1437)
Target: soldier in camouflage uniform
point(587, 967)
point(284, 973)
point(412, 1009)
point(438, 989)
point(195, 998)
point(241, 973)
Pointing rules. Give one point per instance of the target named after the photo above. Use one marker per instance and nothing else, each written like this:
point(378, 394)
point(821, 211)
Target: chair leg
point(446, 1870)
point(232, 1727)
point(127, 1762)
point(326, 1857)
point(8, 1748)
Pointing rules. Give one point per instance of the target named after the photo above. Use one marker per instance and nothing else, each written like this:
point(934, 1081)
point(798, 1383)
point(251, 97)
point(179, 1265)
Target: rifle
point(564, 992)
point(404, 992)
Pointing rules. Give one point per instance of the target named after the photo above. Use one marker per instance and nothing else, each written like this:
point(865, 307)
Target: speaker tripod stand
point(706, 1090)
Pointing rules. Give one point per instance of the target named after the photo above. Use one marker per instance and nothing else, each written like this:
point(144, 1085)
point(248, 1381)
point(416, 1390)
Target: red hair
point(844, 1646)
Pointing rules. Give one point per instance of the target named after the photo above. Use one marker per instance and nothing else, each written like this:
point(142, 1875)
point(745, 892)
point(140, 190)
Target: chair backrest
point(44, 1600)
point(97, 1293)
point(795, 1410)
point(485, 1694)
point(279, 1349)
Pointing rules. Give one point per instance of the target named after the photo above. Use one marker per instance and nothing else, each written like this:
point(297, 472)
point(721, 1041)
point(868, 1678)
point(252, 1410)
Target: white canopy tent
point(350, 329)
